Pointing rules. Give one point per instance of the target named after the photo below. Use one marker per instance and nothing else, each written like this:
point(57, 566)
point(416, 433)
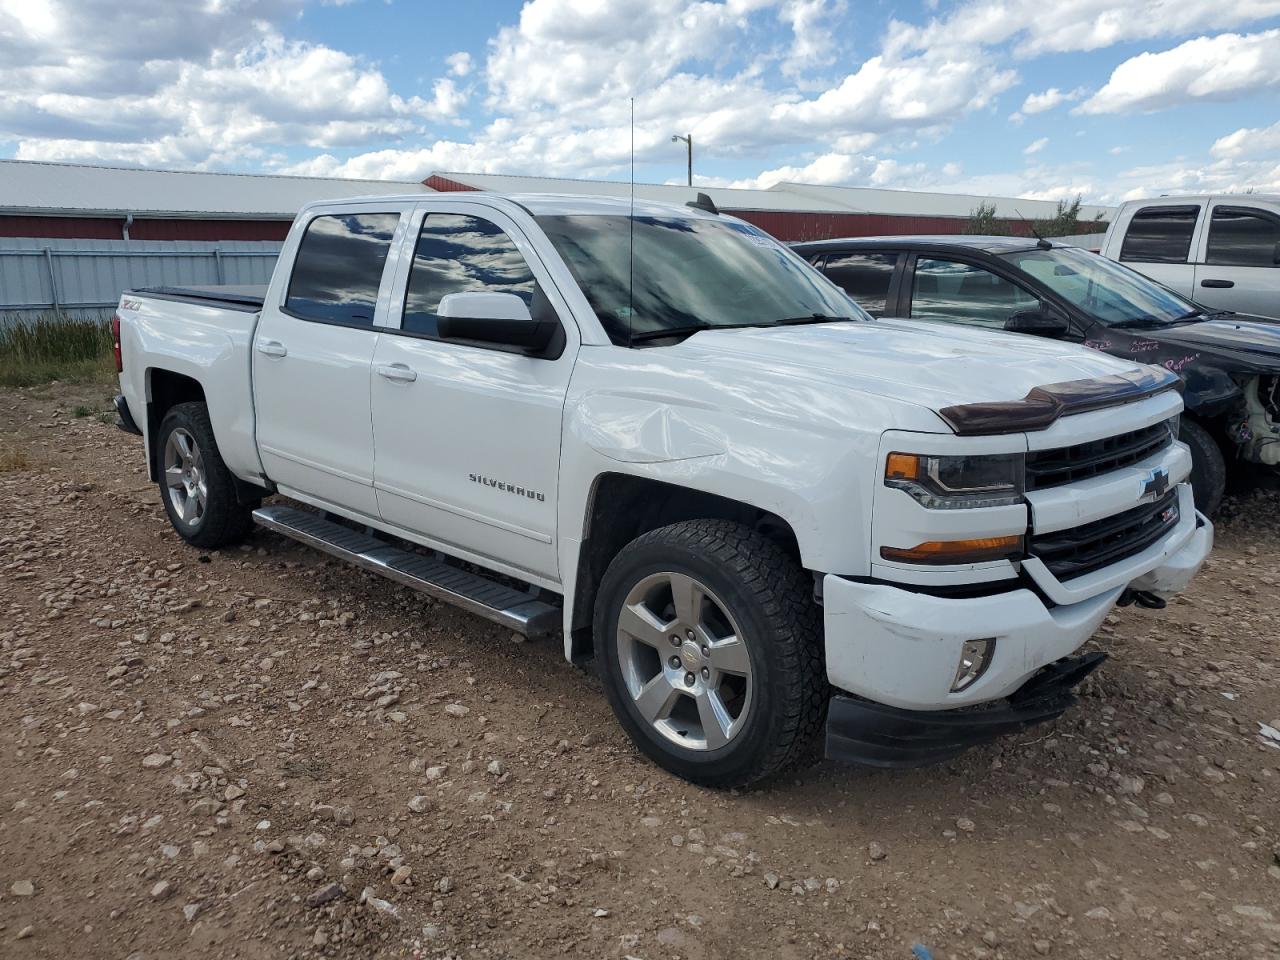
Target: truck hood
point(934, 365)
point(1236, 342)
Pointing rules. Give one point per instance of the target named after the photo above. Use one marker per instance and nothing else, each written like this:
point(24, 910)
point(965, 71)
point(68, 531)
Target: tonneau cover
point(243, 297)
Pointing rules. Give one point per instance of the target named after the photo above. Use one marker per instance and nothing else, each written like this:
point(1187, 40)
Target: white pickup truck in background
point(1223, 252)
point(659, 433)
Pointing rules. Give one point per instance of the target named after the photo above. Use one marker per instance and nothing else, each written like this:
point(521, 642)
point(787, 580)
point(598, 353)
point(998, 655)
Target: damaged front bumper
point(859, 731)
point(892, 654)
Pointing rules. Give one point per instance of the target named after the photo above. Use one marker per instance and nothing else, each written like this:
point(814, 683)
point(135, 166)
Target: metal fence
point(84, 278)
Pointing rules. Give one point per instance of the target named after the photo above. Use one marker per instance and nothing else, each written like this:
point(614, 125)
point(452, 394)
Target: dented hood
point(934, 365)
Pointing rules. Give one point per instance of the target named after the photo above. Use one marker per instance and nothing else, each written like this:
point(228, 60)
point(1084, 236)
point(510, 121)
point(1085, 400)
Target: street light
point(689, 142)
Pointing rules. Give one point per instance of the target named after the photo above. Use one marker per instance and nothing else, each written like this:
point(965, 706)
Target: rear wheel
point(1208, 468)
point(708, 642)
point(198, 491)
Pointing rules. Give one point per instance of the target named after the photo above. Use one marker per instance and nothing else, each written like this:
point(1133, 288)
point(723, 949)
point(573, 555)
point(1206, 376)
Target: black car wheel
point(1208, 468)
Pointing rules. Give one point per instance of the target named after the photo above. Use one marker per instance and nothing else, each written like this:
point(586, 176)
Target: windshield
point(1113, 294)
point(689, 274)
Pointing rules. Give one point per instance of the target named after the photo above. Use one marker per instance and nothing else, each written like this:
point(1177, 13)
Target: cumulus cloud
point(839, 168)
point(559, 80)
point(762, 83)
point(1035, 27)
point(1053, 97)
point(812, 25)
point(1248, 142)
point(222, 85)
point(459, 63)
point(1206, 68)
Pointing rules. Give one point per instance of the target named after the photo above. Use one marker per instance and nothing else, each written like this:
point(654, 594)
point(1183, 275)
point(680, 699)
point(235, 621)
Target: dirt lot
point(263, 753)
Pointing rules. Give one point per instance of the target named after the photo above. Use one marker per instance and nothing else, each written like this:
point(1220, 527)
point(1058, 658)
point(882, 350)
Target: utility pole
point(688, 139)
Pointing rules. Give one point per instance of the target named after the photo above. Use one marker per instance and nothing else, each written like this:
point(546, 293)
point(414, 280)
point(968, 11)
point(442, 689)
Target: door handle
point(397, 372)
point(272, 348)
point(1220, 284)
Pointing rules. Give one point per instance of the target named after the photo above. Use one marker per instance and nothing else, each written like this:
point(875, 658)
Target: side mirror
point(1038, 323)
point(502, 319)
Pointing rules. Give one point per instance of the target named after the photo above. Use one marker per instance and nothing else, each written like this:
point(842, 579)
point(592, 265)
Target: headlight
point(949, 483)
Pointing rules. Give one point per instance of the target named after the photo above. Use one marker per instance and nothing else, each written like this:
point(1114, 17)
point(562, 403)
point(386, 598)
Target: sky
point(1103, 99)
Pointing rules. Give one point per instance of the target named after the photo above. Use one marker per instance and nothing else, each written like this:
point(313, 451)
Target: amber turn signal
point(902, 466)
point(957, 551)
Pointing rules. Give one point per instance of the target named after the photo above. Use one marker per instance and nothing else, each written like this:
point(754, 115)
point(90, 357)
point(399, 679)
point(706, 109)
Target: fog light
point(975, 657)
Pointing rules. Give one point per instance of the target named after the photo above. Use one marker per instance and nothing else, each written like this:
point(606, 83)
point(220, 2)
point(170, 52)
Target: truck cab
point(1221, 251)
point(658, 434)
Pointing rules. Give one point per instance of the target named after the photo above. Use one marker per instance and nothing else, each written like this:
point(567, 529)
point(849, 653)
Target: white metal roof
point(76, 189)
point(801, 197)
point(728, 197)
point(921, 203)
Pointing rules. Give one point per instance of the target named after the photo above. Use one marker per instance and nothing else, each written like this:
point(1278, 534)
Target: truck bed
point(247, 298)
point(201, 334)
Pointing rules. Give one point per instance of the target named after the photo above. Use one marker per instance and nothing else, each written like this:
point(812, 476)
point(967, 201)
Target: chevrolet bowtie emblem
point(1154, 485)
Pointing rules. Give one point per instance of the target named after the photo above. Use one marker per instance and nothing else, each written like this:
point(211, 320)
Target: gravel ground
point(264, 753)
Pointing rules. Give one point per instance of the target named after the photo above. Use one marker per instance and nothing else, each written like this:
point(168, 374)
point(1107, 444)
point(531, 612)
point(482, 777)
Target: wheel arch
point(165, 390)
point(622, 507)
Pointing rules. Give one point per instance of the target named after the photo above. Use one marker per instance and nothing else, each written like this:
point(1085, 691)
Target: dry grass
point(14, 459)
point(55, 347)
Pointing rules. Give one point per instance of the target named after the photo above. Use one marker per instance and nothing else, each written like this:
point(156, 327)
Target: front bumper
point(859, 731)
point(900, 648)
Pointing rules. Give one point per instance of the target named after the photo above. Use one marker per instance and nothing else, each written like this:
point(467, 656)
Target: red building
point(795, 211)
point(112, 203)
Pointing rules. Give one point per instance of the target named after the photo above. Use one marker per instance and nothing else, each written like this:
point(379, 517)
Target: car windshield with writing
point(689, 274)
point(1107, 291)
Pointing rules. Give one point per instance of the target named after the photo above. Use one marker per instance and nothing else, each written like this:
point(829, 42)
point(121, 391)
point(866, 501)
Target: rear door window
point(457, 253)
point(338, 268)
point(1160, 235)
point(865, 276)
point(1243, 237)
point(962, 293)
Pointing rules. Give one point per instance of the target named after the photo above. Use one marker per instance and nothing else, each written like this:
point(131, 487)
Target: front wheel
point(1208, 468)
point(709, 646)
point(198, 490)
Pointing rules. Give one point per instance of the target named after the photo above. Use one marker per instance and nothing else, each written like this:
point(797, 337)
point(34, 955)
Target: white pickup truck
point(1223, 252)
point(657, 432)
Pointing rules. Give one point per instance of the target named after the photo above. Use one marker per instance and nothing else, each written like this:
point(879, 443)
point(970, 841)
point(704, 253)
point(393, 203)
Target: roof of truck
point(543, 204)
point(935, 242)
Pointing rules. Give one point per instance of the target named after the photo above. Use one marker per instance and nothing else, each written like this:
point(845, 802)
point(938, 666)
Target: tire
point(775, 710)
point(1208, 468)
point(196, 488)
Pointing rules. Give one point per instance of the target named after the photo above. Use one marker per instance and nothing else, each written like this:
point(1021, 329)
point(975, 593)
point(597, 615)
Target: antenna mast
point(631, 226)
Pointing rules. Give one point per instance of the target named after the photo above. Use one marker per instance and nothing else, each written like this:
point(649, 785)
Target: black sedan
point(1230, 363)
